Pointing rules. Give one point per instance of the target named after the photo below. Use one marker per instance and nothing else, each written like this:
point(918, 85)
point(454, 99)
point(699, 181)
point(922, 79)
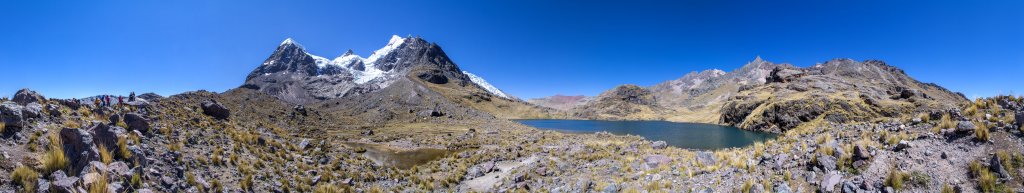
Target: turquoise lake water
point(683, 135)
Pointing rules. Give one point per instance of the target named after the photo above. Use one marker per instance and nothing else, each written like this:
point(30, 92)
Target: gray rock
point(136, 122)
point(107, 135)
point(611, 188)
point(653, 161)
point(32, 110)
point(902, 145)
point(25, 96)
point(79, 149)
point(964, 126)
point(826, 162)
point(215, 110)
point(998, 167)
point(53, 109)
point(782, 187)
point(861, 153)
point(659, 145)
point(42, 185)
point(1020, 118)
point(706, 158)
point(121, 169)
point(62, 183)
point(849, 187)
point(12, 115)
point(114, 118)
point(828, 184)
point(304, 144)
point(888, 189)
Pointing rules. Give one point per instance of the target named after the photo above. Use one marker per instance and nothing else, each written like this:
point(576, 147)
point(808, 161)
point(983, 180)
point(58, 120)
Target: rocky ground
point(245, 141)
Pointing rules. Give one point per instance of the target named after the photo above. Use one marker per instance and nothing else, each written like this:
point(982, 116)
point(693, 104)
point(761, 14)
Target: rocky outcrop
point(215, 110)
point(79, 148)
point(26, 96)
point(12, 115)
point(136, 122)
point(623, 102)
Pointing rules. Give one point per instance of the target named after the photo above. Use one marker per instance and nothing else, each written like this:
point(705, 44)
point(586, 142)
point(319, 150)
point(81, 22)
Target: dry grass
point(55, 159)
point(25, 177)
point(981, 131)
point(896, 179)
point(105, 156)
point(100, 185)
point(122, 146)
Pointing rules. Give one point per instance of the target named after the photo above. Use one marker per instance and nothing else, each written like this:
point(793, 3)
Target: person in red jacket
point(120, 100)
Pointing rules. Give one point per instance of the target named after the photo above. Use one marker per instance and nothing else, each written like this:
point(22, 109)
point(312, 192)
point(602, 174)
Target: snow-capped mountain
point(486, 86)
point(294, 75)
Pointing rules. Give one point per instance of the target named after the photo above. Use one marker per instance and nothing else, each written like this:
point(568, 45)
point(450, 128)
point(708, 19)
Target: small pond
point(403, 159)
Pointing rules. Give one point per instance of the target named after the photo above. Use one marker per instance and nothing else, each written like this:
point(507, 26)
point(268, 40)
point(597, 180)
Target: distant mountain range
point(407, 76)
point(410, 77)
point(763, 95)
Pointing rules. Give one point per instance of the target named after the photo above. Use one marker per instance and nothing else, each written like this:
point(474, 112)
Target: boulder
point(215, 110)
point(659, 145)
point(32, 110)
point(62, 183)
point(861, 153)
point(706, 158)
point(12, 115)
point(782, 187)
point(136, 122)
point(783, 74)
point(903, 144)
point(120, 169)
point(78, 147)
point(1020, 118)
point(826, 162)
point(73, 104)
point(114, 118)
point(53, 109)
point(828, 184)
point(964, 127)
point(300, 110)
point(654, 161)
point(998, 167)
point(25, 96)
point(107, 135)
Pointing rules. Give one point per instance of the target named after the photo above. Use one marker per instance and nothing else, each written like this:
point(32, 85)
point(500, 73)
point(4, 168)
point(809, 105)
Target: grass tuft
point(25, 177)
point(55, 159)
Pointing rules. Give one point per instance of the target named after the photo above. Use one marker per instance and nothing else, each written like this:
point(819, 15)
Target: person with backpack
point(120, 100)
point(131, 97)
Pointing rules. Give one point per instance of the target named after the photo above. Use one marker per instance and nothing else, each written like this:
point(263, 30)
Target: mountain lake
point(698, 136)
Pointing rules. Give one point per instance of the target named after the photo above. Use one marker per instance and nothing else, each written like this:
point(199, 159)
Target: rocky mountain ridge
point(871, 88)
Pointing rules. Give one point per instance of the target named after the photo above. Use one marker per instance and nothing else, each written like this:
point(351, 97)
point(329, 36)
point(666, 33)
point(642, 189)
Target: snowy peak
point(486, 86)
point(393, 44)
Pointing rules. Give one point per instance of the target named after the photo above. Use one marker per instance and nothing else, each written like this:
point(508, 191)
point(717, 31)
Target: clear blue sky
point(527, 48)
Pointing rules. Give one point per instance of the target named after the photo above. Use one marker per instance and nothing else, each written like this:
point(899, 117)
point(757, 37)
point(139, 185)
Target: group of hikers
point(104, 100)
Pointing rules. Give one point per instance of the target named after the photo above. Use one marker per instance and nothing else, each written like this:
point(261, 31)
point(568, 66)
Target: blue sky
point(527, 48)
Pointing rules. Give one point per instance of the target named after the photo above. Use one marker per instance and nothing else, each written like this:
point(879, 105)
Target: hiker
point(131, 97)
point(108, 99)
point(120, 100)
point(97, 101)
